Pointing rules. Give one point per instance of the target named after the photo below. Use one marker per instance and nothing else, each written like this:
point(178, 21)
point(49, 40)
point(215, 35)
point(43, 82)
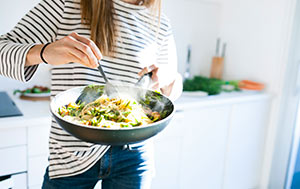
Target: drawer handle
point(6, 182)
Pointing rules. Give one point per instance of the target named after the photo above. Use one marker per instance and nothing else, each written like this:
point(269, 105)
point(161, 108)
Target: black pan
point(107, 136)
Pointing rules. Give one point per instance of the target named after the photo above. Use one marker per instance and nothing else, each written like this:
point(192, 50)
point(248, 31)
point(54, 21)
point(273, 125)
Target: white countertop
point(38, 112)
point(187, 101)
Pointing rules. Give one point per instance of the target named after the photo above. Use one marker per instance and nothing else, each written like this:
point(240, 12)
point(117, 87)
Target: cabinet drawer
point(12, 137)
point(36, 170)
point(13, 160)
point(18, 181)
point(38, 138)
point(35, 187)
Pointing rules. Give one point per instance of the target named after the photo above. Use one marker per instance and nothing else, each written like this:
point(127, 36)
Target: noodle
point(109, 113)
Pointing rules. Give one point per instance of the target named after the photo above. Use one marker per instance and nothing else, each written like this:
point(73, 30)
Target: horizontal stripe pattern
point(139, 44)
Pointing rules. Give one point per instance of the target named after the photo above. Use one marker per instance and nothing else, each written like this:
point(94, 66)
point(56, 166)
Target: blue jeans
point(121, 167)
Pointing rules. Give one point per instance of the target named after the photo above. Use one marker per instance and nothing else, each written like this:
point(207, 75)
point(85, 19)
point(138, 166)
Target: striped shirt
point(139, 43)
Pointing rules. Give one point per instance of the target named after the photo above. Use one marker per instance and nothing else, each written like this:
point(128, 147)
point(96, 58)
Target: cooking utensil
point(224, 50)
point(151, 99)
point(187, 73)
point(217, 65)
point(145, 80)
point(218, 46)
point(89, 94)
point(109, 88)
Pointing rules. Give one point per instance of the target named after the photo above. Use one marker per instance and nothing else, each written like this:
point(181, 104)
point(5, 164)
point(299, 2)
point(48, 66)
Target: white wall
point(10, 13)
point(194, 22)
point(288, 125)
point(258, 33)
point(253, 30)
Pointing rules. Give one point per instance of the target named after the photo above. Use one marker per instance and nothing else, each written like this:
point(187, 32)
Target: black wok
point(153, 100)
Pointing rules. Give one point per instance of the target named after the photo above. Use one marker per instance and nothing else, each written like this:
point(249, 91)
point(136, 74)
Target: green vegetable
point(164, 114)
point(17, 91)
point(135, 124)
point(210, 85)
point(235, 83)
point(126, 113)
point(120, 119)
point(155, 119)
point(124, 125)
point(127, 104)
point(36, 90)
point(199, 83)
point(94, 121)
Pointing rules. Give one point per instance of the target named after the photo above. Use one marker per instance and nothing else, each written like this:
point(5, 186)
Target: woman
point(131, 39)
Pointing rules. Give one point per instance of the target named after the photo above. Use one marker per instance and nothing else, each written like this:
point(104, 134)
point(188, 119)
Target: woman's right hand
point(72, 48)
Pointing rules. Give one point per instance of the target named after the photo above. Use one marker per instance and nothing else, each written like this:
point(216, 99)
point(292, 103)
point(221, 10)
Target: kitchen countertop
point(187, 101)
point(38, 112)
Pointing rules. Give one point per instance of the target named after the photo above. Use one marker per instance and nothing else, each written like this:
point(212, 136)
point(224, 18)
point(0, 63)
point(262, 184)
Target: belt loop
point(127, 147)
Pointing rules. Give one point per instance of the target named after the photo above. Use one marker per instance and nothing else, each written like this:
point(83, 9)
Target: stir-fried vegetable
point(110, 113)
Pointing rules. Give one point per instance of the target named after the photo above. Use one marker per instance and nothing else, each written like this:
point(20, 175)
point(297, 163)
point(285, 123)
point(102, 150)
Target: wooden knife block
point(217, 66)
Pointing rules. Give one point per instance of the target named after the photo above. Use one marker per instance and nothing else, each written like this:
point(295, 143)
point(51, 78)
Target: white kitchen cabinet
point(167, 158)
point(36, 170)
point(246, 145)
point(16, 181)
point(24, 144)
point(213, 144)
point(190, 153)
point(38, 137)
point(13, 137)
point(38, 151)
point(13, 160)
point(19, 181)
point(168, 146)
point(204, 147)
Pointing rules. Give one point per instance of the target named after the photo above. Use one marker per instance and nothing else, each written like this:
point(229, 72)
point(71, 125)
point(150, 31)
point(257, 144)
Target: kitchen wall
point(254, 32)
point(194, 22)
point(10, 13)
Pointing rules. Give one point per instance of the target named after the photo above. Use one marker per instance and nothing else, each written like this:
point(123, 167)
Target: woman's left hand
point(156, 80)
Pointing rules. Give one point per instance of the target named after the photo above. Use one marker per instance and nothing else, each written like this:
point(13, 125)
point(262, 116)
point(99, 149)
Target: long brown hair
point(98, 15)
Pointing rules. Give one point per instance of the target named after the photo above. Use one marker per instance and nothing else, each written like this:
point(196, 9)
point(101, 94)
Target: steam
point(139, 92)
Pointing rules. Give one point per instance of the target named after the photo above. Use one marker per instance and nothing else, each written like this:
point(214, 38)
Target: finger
point(147, 69)
point(143, 71)
point(80, 57)
point(85, 49)
point(152, 67)
point(90, 43)
point(155, 75)
point(154, 86)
